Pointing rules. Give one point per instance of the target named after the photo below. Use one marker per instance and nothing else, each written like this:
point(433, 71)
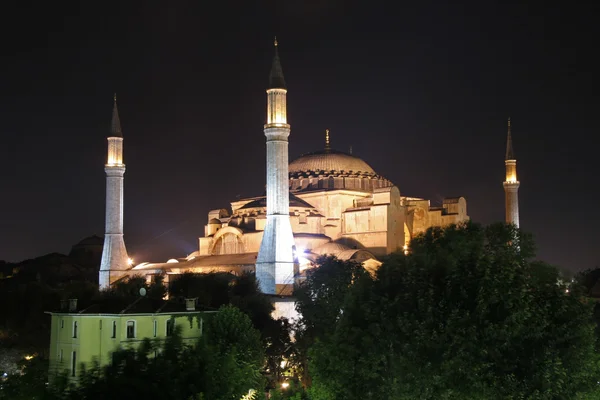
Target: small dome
point(328, 161)
point(331, 248)
point(214, 221)
point(93, 240)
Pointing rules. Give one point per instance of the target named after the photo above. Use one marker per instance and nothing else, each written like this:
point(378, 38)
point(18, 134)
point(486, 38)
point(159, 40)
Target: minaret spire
point(510, 154)
point(115, 126)
point(114, 254)
point(511, 184)
point(276, 80)
point(327, 145)
point(275, 266)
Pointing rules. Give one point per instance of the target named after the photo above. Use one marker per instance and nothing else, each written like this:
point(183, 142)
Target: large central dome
point(328, 161)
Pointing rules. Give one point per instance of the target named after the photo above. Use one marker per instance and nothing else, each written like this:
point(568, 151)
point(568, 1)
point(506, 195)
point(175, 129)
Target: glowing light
point(405, 249)
point(299, 252)
point(250, 396)
point(285, 385)
point(130, 261)
point(28, 357)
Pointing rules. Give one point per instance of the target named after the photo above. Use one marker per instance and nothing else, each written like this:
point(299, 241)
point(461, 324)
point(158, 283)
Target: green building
point(95, 332)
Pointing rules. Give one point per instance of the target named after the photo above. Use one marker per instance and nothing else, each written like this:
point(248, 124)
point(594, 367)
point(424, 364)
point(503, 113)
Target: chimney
point(72, 305)
point(190, 304)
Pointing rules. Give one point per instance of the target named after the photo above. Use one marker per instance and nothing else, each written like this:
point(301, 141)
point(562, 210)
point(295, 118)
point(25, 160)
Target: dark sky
point(421, 91)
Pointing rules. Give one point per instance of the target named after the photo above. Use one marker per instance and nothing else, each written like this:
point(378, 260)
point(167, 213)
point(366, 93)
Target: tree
point(320, 301)
point(233, 355)
point(467, 315)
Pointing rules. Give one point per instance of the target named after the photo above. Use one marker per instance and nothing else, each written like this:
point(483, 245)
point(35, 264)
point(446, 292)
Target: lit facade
point(511, 183)
point(275, 265)
point(114, 254)
point(81, 337)
point(327, 202)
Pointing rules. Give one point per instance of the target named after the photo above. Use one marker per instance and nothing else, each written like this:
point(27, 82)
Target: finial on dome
point(275, 41)
point(115, 97)
point(350, 149)
point(327, 146)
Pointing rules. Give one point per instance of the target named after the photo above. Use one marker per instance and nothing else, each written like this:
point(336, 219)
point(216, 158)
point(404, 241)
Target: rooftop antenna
point(327, 145)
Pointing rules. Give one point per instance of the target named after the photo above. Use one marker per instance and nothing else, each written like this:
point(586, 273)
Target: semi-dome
point(330, 161)
point(331, 248)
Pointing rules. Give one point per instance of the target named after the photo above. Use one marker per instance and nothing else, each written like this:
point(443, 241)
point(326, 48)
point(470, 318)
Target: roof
point(276, 80)
point(452, 200)
point(330, 160)
point(115, 126)
point(113, 304)
point(332, 248)
point(93, 240)
point(510, 153)
point(205, 261)
point(261, 202)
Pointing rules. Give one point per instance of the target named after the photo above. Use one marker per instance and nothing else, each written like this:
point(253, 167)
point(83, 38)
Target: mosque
point(326, 202)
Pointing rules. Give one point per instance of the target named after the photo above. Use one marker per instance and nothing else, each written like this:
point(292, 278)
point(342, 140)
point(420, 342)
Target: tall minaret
point(511, 184)
point(114, 255)
point(275, 261)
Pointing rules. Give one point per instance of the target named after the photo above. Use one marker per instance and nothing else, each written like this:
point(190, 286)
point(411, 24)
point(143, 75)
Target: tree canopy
point(467, 314)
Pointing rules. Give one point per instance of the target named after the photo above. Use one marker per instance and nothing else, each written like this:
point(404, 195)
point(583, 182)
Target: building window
point(74, 329)
point(302, 219)
point(100, 324)
point(155, 327)
point(170, 327)
point(60, 356)
point(73, 363)
point(130, 329)
point(62, 323)
point(114, 329)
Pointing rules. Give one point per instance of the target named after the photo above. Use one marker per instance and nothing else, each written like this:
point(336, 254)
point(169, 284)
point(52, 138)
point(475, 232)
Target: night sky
point(420, 91)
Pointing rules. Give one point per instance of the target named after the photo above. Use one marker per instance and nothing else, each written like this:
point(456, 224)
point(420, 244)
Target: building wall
point(381, 221)
point(95, 341)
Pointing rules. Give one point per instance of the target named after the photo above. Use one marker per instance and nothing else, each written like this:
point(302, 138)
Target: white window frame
point(134, 329)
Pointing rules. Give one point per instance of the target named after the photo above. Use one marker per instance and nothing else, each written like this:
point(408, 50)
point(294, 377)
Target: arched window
point(114, 330)
point(229, 243)
point(74, 329)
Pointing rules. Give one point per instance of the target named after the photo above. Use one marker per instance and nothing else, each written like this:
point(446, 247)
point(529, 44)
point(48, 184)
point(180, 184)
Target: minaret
point(511, 184)
point(275, 262)
point(114, 255)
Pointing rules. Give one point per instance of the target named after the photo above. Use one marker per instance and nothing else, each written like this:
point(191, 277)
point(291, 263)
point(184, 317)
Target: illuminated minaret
point(511, 184)
point(114, 255)
point(275, 261)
